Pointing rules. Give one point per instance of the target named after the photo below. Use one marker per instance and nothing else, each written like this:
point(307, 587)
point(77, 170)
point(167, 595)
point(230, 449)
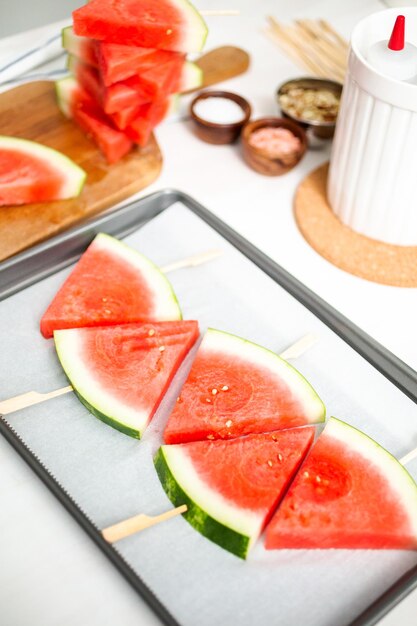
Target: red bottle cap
point(396, 41)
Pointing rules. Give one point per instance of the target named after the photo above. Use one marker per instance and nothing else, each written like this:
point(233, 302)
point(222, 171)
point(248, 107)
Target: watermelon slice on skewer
point(164, 24)
point(111, 284)
point(121, 373)
point(31, 172)
point(155, 83)
point(232, 488)
point(115, 62)
point(236, 387)
point(350, 493)
point(76, 104)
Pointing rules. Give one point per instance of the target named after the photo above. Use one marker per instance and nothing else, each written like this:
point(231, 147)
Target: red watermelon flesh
point(350, 493)
point(83, 48)
point(154, 83)
point(113, 143)
point(31, 172)
point(77, 104)
point(164, 24)
point(122, 372)
point(140, 128)
point(111, 284)
point(115, 62)
point(235, 388)
point(232, 488)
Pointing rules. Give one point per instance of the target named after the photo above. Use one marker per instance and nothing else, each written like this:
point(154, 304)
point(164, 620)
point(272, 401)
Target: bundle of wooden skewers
point(313, 44)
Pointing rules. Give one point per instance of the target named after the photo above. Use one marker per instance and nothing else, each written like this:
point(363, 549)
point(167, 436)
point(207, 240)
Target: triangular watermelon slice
point(121, 373)
point(231, 488)
point(156, 82)
point(31, 172)
point(350, 493)
point(111, 284)
point(116, 62)
point(165, 24)
point(236, 387)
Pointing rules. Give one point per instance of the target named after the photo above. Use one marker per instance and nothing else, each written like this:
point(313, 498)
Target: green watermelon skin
point(349, 494)
point(163, 24)
point(230, 540)
point(232, 488)
point(120, 373)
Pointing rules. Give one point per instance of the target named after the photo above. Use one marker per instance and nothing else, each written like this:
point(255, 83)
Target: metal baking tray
point(27, 268)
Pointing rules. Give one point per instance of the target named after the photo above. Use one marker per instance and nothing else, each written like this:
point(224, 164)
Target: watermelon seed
point(280, 457)
point(274, 438)
point(107, 311)
point(210, 436)
point(225, 388)
point(208, 400)
point(270, 463)
point(104, 299)
point(161, 348)
point(151, 332)
point(306, 474)
point(229, 423)
point(169, 31)
point(318, 479)
point(214, 392)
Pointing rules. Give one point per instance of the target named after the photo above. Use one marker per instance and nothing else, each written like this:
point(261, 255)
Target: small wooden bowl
point(263, 163)
point(219, 133)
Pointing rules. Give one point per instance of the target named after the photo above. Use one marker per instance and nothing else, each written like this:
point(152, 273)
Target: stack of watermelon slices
point(127, 64)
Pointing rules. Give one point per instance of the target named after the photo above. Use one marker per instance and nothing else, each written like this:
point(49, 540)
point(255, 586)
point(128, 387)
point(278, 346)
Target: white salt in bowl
point(219, 116)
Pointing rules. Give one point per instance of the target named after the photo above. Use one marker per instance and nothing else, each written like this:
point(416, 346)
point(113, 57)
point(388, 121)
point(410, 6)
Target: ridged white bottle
point(372, 185)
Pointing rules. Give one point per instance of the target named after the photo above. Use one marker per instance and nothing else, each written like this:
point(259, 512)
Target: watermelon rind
point(230, 527)
point(192, 77)
point(97, 399)
point(74, 175)
point(196, 27)
point(216, 340)
point(71, 42)
point(166, 304)
point(400, 480)
point(65, 88)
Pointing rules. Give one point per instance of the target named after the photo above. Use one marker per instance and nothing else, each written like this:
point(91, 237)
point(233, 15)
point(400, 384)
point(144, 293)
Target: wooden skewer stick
point(137, 523)
point(329, 29)
point(314, 37)
point(282, 38)
point(192, 261)
point(408, 457)
point(312, 44)
point(299, 347)
point(30, 398)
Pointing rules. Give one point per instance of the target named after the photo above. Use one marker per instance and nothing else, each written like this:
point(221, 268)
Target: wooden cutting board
point(30, 112)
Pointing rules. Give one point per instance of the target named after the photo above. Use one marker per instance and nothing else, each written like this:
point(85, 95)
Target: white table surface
point(50, 571)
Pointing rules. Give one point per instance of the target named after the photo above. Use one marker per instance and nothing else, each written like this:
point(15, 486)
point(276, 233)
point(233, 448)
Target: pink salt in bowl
point(273, 145)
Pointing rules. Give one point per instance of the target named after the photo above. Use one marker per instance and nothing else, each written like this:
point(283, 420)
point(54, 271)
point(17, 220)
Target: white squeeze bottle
point(395, 58)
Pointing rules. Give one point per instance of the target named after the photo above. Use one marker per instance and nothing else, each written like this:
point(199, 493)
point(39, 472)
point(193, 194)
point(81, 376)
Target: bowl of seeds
point(314, 104)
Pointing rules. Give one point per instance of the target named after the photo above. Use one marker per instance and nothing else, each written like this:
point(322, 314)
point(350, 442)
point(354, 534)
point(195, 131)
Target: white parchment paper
point(112, 477)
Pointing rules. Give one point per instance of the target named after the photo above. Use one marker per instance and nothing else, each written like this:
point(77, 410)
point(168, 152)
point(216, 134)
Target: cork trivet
point(359, 255)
